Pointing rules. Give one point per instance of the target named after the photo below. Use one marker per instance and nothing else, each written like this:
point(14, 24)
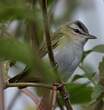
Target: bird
point(68, 43)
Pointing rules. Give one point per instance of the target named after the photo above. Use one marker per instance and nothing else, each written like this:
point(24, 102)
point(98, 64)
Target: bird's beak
point(91, 36)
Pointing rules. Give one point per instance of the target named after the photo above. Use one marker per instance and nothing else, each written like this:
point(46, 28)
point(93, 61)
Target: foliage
point(24, 49)
point(77, 93)
point(101, 71)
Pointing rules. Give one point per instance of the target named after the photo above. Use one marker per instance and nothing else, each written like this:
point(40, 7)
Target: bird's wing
point(54, 42)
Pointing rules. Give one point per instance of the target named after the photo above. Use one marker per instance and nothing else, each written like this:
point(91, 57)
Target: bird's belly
point(68, 61)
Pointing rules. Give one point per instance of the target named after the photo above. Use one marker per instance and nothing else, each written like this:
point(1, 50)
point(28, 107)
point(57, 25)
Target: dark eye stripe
point(77, 31)
point(82, 26)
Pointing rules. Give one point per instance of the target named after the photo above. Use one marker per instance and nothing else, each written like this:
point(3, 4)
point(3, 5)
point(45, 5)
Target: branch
point(99, 105)
point(50, 53)
point(23, 84)
point(32, 29)
point(53, 98)
point(65, 95)
point(47, 33)
point(59, 102)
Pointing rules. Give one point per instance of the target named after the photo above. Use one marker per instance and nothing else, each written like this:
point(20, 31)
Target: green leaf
point(97, 91)
point(99, 48)
point(88, 73)
point(50, 2)
point(11, 49)
point(79, 93)
point(85, 54)
point(77, 76)
point(10, 11)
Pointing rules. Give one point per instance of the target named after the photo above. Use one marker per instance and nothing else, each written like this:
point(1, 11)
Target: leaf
point(87, 73)
point(10, 11)
point(79, 93)
point(50, 2)
point(11, 49)
point(97, 91)
point(85, 54)
point(77, 76)
point(99, 48)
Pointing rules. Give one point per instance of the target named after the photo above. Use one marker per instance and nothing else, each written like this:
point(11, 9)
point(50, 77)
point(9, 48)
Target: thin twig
point(47, 33)
point(25, 84)
point(2, 107)
point(65, 95)
point(50, 53)
point(53, 98)
point(48, 37)
point(59, 103)
point(31, 30)
point(99, 105)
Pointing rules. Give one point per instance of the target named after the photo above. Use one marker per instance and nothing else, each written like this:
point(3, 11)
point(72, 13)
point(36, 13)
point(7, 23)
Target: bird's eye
point(77, 31)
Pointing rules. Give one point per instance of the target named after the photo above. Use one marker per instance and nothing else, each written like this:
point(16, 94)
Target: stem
point(99, 105)
point(47, 33)
point(53, 98)
point(59, 102)
point(32, 29)
point(64, 94)
point(50, 53)
point(48, 38)
point(23, 84)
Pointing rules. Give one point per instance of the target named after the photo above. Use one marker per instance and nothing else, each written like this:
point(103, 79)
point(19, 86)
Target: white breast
point(68, 58)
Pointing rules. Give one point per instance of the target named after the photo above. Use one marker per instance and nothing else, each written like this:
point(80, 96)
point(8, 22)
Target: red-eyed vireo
point(67, 42)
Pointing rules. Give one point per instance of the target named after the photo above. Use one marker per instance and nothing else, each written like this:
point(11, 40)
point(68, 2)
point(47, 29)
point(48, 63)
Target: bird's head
point(75, 31)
